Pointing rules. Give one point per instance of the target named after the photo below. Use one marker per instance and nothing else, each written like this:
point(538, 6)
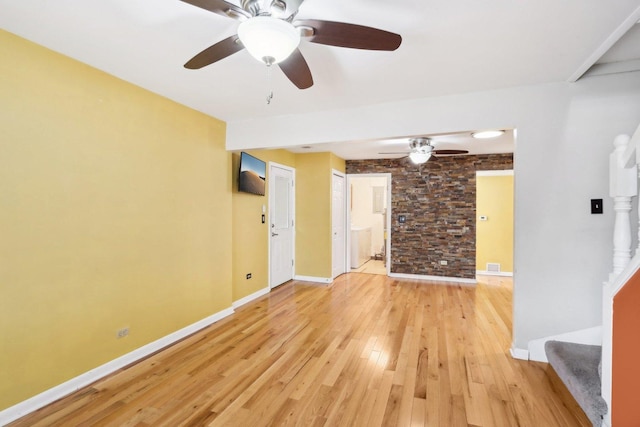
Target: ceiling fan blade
point(220, 7)
point(350, 35)
point(295, 67)
point(214, 53)
point(450, 151)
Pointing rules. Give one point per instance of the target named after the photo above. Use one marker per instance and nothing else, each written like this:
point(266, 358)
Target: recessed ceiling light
point(485, 134)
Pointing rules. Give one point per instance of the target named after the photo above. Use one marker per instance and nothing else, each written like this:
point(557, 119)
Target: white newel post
point(623, 186)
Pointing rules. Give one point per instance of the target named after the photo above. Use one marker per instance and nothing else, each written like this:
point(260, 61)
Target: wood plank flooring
point(367, 351)
point(372, 267)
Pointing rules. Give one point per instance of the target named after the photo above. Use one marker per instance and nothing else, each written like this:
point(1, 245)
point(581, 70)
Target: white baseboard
point(313, 279)
point(592, 336)
point(49, 396)
point(519, 353)
point(495, 273)
point(433, 278)
point(249, 298)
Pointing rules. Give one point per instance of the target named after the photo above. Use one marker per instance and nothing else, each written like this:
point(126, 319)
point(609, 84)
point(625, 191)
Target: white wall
point(362, 209)
point(562, 254)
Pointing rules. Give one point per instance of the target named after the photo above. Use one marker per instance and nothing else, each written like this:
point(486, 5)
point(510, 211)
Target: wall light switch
point(263, 219)
point(483, 218)
point(596, 206)
point(402, 219)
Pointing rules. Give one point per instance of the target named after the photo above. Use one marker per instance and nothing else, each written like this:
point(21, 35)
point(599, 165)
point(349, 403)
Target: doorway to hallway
point(369, 223)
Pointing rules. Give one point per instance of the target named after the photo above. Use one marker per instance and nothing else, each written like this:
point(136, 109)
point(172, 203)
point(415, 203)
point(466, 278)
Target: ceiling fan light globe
point(419, 157)
point(269, 40)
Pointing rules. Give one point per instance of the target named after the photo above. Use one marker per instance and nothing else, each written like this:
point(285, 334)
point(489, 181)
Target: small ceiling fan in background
point(269, 31)
point(422, 150)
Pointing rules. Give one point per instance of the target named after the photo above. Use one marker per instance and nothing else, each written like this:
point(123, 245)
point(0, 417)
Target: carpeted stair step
point(578, 366)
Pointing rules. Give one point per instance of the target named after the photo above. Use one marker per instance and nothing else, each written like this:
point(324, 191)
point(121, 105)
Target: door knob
point(274, 234)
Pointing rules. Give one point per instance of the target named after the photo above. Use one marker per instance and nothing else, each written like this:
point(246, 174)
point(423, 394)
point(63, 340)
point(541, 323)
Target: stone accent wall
point(438, 200)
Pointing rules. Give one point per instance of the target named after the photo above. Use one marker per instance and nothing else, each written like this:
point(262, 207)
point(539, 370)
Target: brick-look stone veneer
point(438, 200)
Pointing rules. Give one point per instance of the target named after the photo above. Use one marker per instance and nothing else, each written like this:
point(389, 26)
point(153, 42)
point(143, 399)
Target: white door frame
point(293, 216)
point(389, 215)
point(345, 225)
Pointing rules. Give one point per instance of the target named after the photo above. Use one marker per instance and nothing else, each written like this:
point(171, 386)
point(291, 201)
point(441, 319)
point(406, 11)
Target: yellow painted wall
point(313, 220)
point(250, 236)
point(313, 214)
point(494, 237)
point(115, 210)
point(337, 163)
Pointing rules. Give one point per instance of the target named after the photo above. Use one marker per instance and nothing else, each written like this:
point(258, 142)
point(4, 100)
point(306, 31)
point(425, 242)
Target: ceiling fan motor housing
point(252, 6)
point(277, 8)
point(421, 144)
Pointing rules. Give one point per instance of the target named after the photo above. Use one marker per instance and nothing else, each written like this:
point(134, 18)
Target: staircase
point(587, 370)
point(578, 366)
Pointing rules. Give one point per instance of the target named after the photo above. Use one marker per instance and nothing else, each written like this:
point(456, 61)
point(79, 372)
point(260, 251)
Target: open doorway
point(494, 222)
point(369, 220)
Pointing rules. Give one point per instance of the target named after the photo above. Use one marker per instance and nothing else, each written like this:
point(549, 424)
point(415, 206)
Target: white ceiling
point(379, 148)
point(450, 47)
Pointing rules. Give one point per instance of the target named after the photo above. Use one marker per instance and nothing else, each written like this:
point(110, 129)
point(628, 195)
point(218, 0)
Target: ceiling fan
point(421, 151)
point(270, 32)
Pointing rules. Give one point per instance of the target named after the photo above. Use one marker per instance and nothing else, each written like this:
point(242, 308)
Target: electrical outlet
point(444, 262)
point(123, 332)
point(248, 276)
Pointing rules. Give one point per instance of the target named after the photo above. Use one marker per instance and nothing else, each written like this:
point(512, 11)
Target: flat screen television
point(253, 175)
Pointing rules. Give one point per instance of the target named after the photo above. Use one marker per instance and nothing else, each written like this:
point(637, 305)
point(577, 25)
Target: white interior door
point(338, 215)
point(281, 224)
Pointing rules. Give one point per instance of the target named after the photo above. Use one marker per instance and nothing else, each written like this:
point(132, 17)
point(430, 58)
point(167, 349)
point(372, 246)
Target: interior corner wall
point(337, 163)
point(115, 211)
point(250, 235)
point(313, 215)
point(565, 131)
point(438, 202)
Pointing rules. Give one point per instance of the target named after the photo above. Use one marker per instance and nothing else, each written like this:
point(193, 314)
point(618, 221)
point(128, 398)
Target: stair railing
point(623, 186)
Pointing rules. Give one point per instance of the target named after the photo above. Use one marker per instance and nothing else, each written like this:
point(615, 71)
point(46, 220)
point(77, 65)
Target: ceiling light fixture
point(269, 40)
point(486, 134)
point(419, 157)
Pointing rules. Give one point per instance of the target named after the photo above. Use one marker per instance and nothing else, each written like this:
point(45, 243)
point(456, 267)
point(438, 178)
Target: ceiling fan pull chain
point(269, 87)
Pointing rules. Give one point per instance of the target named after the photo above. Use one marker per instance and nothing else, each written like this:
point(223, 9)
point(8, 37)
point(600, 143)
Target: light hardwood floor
point(367, 351)
point(372, 267)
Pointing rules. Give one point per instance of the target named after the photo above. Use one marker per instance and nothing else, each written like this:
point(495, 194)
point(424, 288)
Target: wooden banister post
point(623, 186)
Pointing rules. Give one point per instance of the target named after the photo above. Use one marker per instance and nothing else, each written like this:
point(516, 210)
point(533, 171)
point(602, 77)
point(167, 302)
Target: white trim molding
point(519, 353)
point(313, 279)
point(49, 396)
point(249, 298)
point(591, 336)
point(433, 278)
point(606, 45)
point(495, 273)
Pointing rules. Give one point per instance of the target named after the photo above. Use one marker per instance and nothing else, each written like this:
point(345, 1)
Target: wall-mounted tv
point(253, 174)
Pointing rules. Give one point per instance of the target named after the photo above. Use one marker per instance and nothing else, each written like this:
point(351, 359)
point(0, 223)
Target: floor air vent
point(493, 267)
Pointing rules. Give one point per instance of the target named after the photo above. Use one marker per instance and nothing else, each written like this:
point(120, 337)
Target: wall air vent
point(493, 267)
